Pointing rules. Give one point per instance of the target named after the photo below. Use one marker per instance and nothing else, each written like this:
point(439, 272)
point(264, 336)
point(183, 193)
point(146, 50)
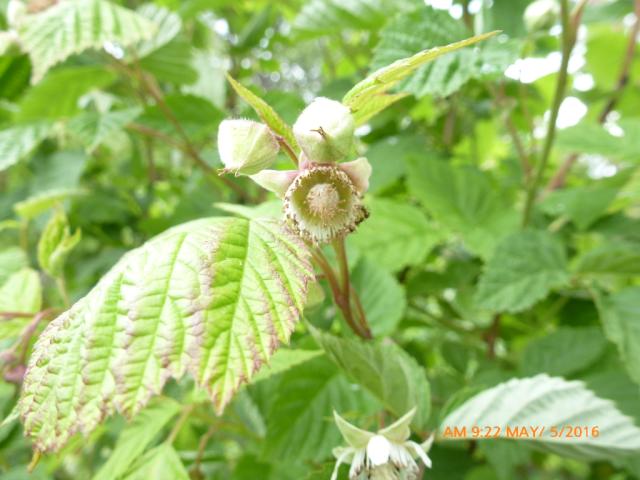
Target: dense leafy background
point(108, 121)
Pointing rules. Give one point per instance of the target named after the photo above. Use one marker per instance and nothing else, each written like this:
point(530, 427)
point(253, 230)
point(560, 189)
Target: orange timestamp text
point(521, 431)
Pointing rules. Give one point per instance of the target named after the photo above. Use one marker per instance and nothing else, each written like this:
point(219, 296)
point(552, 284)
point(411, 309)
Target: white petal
point(342, 457)
point(420, 452)
point(359, 172)
point(378, 450)
point(357, 463)
point(276, 181)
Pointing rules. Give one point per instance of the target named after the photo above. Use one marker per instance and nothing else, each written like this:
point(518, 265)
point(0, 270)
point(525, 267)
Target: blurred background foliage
point(111, 133)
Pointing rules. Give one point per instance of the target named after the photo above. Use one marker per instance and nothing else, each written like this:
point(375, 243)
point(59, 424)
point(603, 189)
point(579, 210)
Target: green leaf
point(34, 206)
point(375, 105)
point(93, 128)
point(172, 63)
point(326, 17)
point(611, 257)
point(383, 298)
point(268, 115)
point(396, 234)
point(161, 463)
point(18, 142)
point(68, 28)
point(283, 360)
point(594, 138)
point(385, 370)
point(214, 298)
point(300, 424)
point(58, 94)
point(167, 26)
point(56, 242)
point(525, 267)
point(619, 314)
point(548, 402)
point(563, 352)
point(12, 259)
point(136, 436)
point(586, 204)
point(387, 76)
point(21, 292)
point(465, 200)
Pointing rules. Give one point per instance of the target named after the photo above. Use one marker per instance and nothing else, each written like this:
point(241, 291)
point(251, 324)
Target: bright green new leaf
point(620, 314)
point(548, 402)
point(283, 360)
point(34, 206)
point(525, 267)
point(213, 297)
point(136, 436)
point(12, 259)
point(593, 138)
point(300, 422)
point(428, 27)
point(56, 243)
point(161, 463)
point(385, 370)
point(21, 292)
point(68, 28)
point(463, 199)
point(396, 235)
point(268, 115)
point(385, 78)
point(19, 141)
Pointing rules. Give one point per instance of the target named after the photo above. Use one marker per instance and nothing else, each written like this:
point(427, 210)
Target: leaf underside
point(213, 297)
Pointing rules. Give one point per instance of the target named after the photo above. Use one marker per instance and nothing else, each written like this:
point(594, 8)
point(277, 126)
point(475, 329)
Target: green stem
point(62, 288)
point(184, 416)
point(568, 41)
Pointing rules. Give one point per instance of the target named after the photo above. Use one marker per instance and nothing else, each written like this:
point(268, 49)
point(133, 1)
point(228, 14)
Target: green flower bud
point(324, 130)
point(323, 204)
point(246, 147)
point(541, 15)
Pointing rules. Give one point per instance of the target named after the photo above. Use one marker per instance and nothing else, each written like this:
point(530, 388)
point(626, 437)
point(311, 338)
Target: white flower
point(246, 147)
point(325, 130)
point(385, 455)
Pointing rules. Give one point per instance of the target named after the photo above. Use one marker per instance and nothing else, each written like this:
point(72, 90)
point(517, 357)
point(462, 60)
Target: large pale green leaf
point(71, 27)
point(563, 352)
point(620, 315)
point(213, 297)
point(265, 112)
point(161, 463)
point(58, 94)
point(389, 74)
point(525, 267)
point(385, 370)
point(382, 297)
point(396, 234)
point(465, 200)
point(136, 436)
point(300, 424)
point(18, 142)
point(548, 402)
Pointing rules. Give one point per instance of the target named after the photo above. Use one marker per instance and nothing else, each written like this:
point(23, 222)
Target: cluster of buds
point(322, 198)
point(385, 455)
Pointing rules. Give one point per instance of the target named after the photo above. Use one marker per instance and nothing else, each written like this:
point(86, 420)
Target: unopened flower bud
point(324, 130)
point(246, 147)
point(541, 15)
